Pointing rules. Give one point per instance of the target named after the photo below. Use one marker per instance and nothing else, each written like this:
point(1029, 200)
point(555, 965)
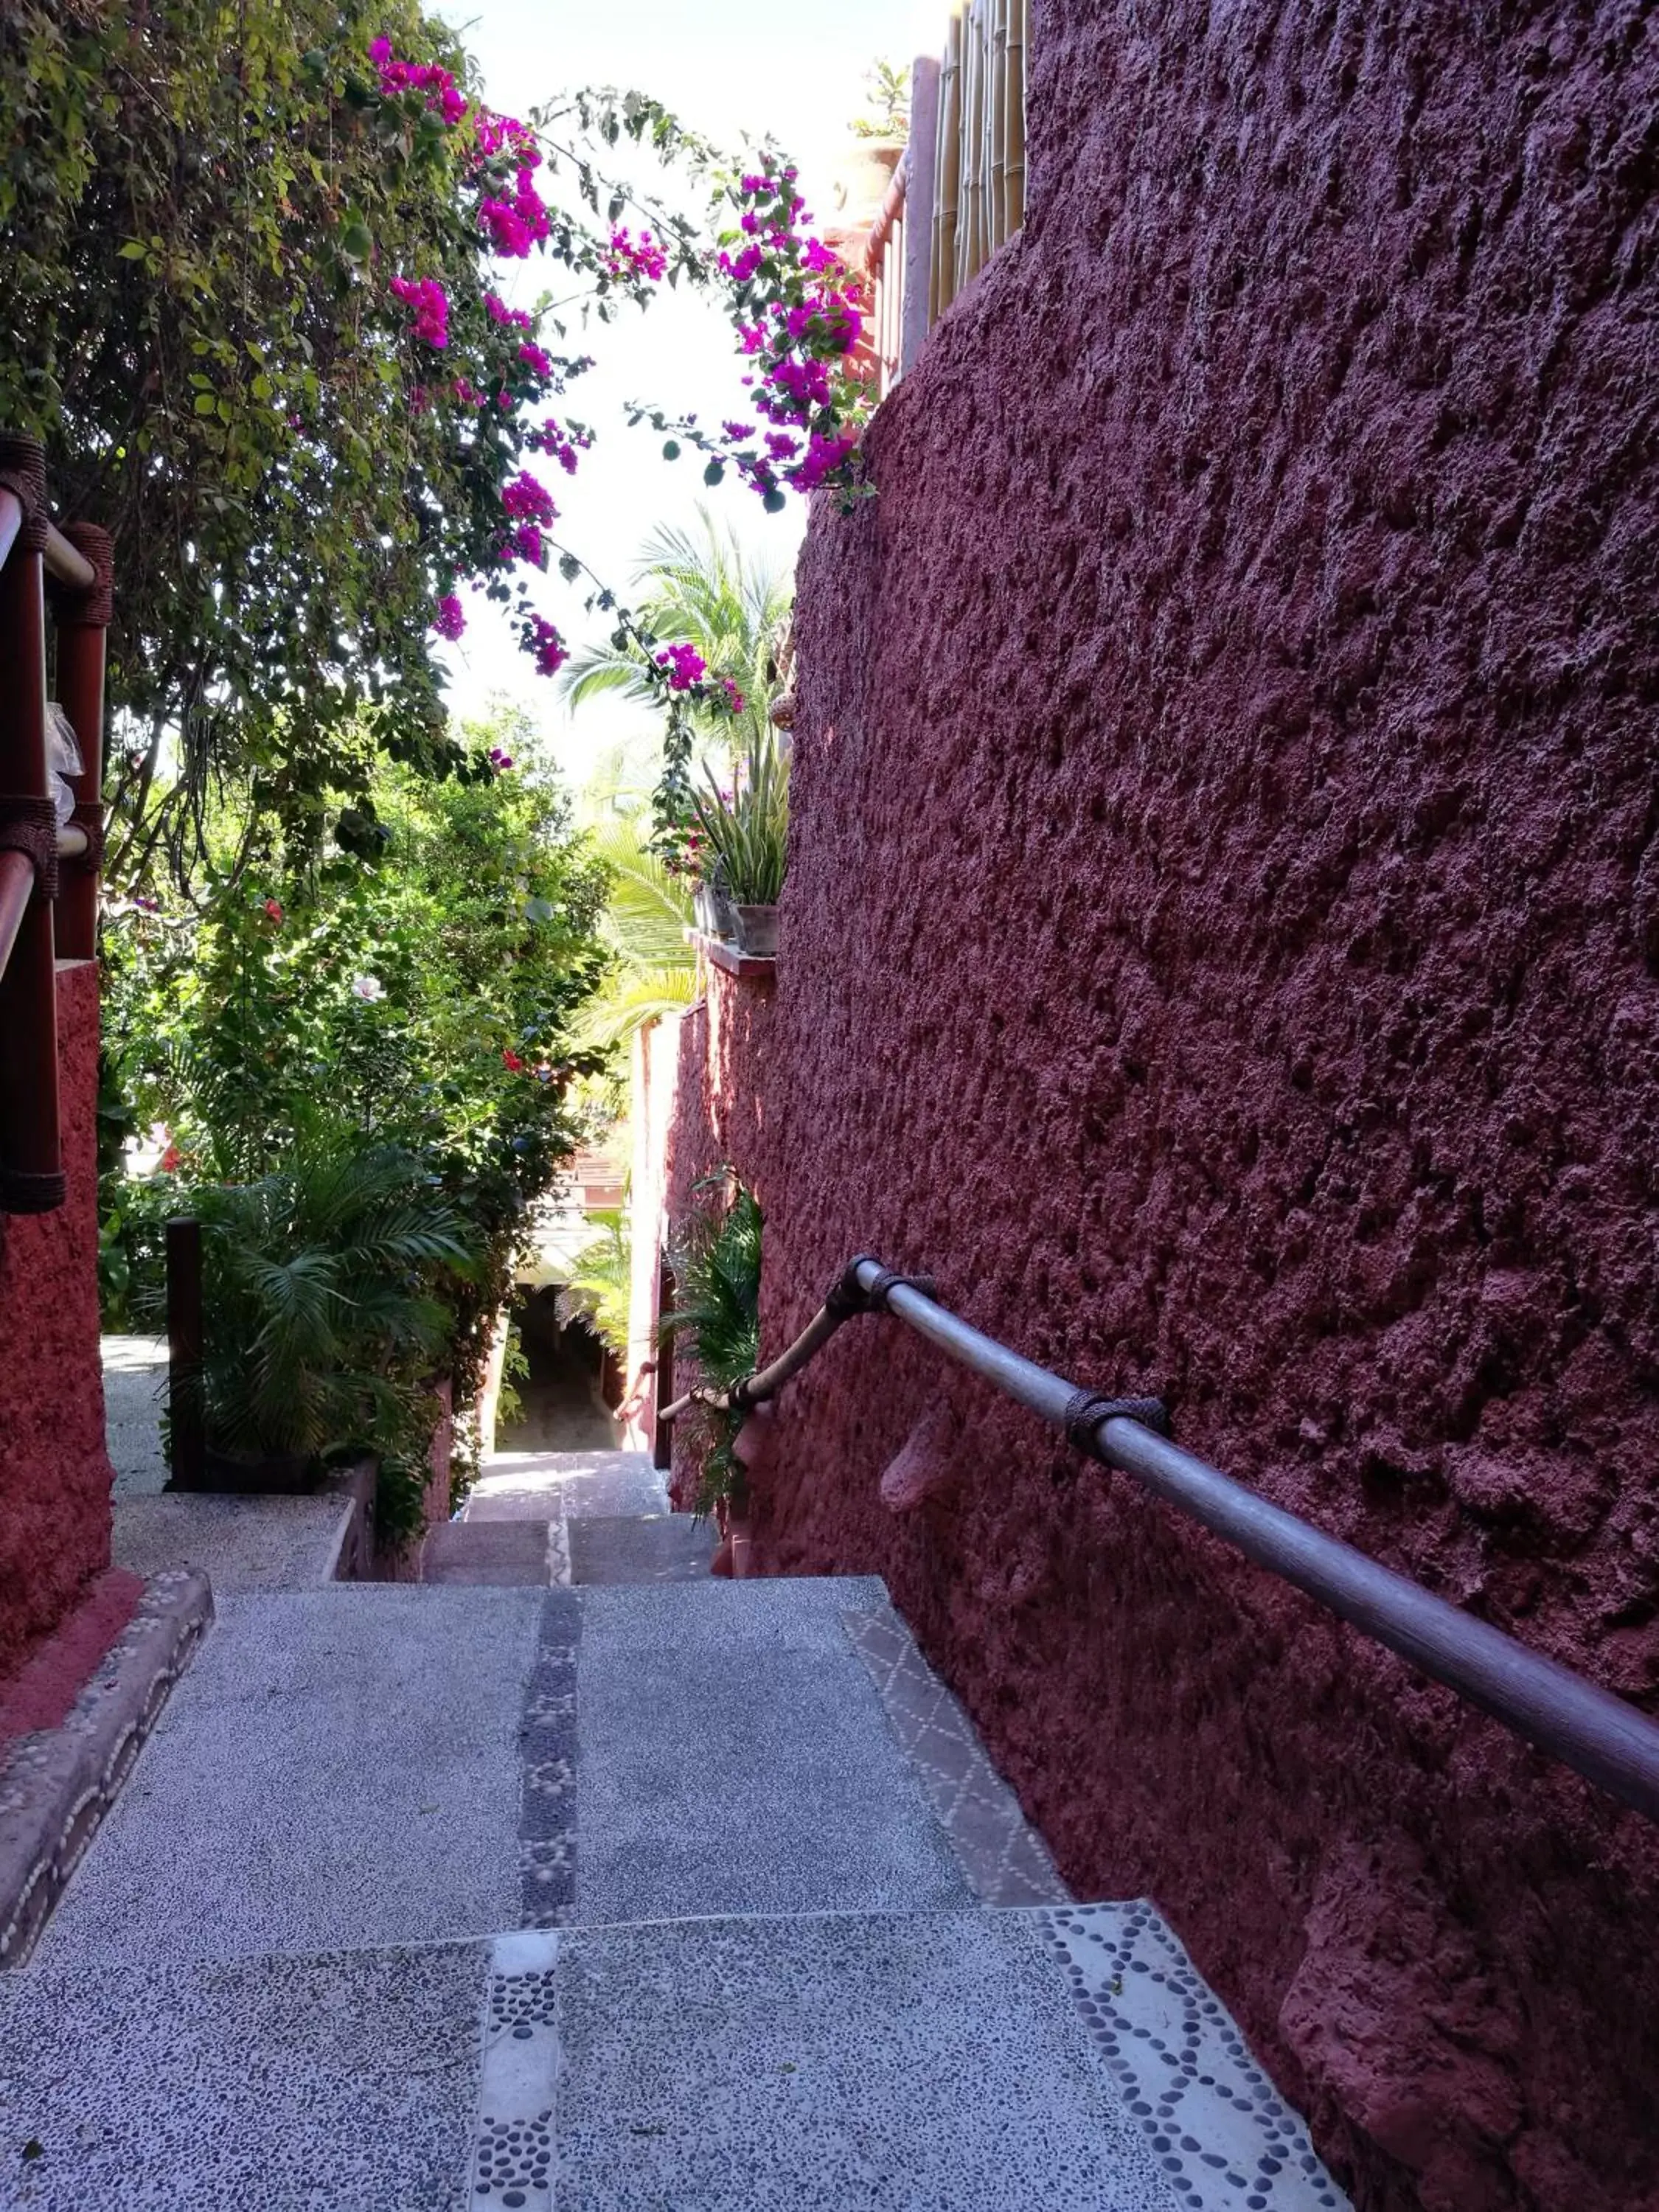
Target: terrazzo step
point(541, 1486)
point(960, 2060)
point(936, 2061)
point(502, 1554)
point(340, 1766)
point(640, 1548)
point(733, 1755)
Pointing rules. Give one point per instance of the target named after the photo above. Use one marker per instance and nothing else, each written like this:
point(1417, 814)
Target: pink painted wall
point(54, 1474)
point(1222, 943)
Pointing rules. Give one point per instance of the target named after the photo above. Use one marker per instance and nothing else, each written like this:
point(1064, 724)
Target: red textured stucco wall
point(55, 1474)
point(1222, 943)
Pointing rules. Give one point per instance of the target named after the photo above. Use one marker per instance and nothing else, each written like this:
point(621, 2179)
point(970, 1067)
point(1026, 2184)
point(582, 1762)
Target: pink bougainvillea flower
point(528, 544)
point(733, 696)
point(534, 358)
point(685, 665)
point(273, 910)
point(500, 760)
point(527, 500)
point(511, 319)
point(449, 620)
point(431, 305)
point(628, 256)
point(738, 431)
point(550, 650)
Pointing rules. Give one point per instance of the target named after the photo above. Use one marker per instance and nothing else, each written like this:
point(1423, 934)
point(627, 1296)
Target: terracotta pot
point(757, 932)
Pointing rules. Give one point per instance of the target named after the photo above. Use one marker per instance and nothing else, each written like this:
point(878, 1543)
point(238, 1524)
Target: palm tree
point(701, 588)
point(645, 923)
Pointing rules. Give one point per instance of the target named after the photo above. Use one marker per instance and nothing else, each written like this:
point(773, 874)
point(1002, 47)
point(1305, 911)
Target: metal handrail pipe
point(1600, 1736)
point(16, 889)
point(65, 566)
point(71, 842)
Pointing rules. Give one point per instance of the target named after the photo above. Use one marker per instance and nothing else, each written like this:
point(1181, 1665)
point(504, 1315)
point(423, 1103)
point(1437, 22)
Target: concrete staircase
point(600, 1886)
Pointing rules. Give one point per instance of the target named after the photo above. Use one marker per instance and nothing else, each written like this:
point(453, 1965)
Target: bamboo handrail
point(65, 565)
point(1600, 1736)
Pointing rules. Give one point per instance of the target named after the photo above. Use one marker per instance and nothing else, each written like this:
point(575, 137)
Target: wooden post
point(82, 620)
point(31, 1162)
point(662, 1438)
point(948, 192)
point(187, 1439)
point(921, 187)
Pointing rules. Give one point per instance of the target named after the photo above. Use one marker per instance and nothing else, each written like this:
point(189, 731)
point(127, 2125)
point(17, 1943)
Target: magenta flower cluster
point(449, 620)
point(431, 306)
point(442, 91)
point(642, 258)
point(528, 500)
point(510, 318)
point(559, 445)
point(512, 226)
point(548, 648)
point(685, 665)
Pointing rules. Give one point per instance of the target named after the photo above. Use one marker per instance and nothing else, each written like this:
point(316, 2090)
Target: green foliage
point(202, 212)
point(323, 1304)
point(717, 1269)
point(601, 1283)
point(888, 119)
point(646, 918)
point(424, 1000)
point(746, 834)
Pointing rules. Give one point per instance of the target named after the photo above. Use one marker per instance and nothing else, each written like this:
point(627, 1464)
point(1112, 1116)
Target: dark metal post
point(662, 1440)
point(82, 619)
point(31, 1162)
point(184, 1353)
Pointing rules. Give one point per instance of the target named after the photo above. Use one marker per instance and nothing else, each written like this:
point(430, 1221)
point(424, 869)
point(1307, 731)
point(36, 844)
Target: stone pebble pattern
point(1224, 2137)
point(515, 2149)
point(1005, 1861)
point(547, 1750)
point(56, 1786)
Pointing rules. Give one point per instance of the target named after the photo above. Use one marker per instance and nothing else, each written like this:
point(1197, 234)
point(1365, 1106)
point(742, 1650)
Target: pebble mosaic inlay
point(1217, 2127)
point(547, 1751)
point(515, 2148)
point(1005, 1861)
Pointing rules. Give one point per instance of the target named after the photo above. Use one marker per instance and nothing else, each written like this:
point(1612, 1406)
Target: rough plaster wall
point(1221, 943)
point(54, 1474)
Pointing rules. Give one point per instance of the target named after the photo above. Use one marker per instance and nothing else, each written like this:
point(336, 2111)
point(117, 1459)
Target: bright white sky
point(726, 68)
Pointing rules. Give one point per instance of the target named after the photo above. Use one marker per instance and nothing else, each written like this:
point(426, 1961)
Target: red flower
point(510, 1060)
point(273, 910)
point(171, 1160)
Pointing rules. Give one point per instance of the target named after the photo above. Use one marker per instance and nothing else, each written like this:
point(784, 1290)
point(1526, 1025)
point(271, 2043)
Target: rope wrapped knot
point(1086, 1411)
point(21, 1192)
point(30, 825)
point(847, 1295)
point(89, 816)
point(95, 607)
point(23, 470)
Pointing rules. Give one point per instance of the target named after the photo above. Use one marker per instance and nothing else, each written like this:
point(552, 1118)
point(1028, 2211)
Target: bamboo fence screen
point(959, 192)
point(979, 185)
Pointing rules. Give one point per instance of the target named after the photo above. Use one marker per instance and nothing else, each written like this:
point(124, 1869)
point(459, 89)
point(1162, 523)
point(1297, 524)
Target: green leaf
point(670, 451)
point(133, 250)
point(356, 242)
point(206, 403)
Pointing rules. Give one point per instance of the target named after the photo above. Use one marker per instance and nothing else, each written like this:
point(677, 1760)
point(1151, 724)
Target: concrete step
point(958, 2061)
point(653, 1547)
point(540, 1485)
point(502, 1554)
point(936, 2061)
point(340, 1766)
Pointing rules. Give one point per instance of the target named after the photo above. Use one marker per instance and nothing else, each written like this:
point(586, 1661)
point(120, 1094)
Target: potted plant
point(747, 833)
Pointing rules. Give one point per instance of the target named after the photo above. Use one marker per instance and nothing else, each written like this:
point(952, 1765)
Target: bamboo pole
point(920, 191)
point(999, 43)
point(1020, 48)
point(947, 195)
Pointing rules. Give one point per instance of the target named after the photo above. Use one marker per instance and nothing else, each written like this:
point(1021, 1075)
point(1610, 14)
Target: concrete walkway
point(681, 1893)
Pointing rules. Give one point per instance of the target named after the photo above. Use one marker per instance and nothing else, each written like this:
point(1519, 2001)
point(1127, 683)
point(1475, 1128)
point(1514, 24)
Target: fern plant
point(324, 1308)
point(601, 1283)
point(717, 1270)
